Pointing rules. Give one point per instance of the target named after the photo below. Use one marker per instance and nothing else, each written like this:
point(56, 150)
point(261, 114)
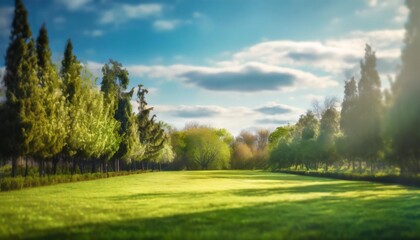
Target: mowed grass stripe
point(212, 204)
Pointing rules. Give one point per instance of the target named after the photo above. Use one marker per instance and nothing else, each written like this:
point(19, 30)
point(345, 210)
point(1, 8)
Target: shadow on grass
point(329, 216)
point(324, 218)
point(255, 175)
point(367, 189)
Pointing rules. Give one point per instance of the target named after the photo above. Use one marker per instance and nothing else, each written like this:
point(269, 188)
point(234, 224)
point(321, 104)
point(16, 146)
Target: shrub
point(9, 183)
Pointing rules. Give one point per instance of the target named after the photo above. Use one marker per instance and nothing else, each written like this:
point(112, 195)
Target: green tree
point(404, 115)
point(71, 87)
point(94, 131)
point(18, 46)
point(307, 126)
point(114, 82)
point(241, 156)
point(70, 73)
point(151, 133)
point(329, 128)
point(166, 154)
point(348, 121)
point(53, 120)
point(205, 149)
point(369, 109)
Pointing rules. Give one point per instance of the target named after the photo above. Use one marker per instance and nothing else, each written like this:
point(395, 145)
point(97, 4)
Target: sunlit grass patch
point(212, 204)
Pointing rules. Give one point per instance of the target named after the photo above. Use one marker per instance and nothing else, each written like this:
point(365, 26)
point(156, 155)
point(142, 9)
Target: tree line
point(56, 118)
point(374, 131)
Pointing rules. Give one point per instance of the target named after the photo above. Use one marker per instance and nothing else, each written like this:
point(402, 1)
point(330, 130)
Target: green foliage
point(18, 47)
point(250, 150)
point(349, 119)
point(53, 118)
point(18, 183)
point(71, 73)
point(201, 148)
point(369, 108)
point(404, 115)
point(283, 134)
point(152, 135)
point(94, 130)
point(307, 126)
point(114, 81)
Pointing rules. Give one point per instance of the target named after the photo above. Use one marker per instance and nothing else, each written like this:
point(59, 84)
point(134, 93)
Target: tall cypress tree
point(71, 87)
point(30, 98)
point(53, 102)
point(19, 38)
point(329, 128)
point(151, 133)
point(369, 108)
point(114, 82)
point(348, 120)
point(404, 115)
point(70, 72)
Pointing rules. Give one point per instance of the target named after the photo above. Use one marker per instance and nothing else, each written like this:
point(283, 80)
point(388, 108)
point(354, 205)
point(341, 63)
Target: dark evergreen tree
point(348, 121)
point(329, 128)
point(12, 125)
point(114, 82)
point(70, 72)
point(54, 118)
point(369, 109)
point(151, 134)
point(404, 115)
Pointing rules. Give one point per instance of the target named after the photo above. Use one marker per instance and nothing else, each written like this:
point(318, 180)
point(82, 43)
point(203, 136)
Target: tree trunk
point(93, 166)
point(26, 167)
point(81, 167)
point(73, 171)
point(55, 162)
point(372, 165)
point(14, 166)
point(40, 167)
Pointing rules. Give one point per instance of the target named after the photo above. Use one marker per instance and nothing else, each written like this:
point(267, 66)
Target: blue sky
point(235, 64)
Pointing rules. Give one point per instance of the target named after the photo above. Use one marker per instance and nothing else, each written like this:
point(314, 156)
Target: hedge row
point(394, 179)
point(17, 183)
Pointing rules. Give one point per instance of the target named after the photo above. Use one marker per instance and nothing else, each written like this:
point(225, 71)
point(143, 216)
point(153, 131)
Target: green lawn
point(212, 204)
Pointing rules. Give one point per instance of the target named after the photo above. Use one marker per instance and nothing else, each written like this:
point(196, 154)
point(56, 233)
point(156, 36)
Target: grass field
point(212, 204)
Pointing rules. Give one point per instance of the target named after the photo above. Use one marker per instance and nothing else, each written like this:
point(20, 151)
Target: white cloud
point(233, 118)
point(59, 20)
point(166, 25)
point(93, 33)
point(198, 15)
point(284, 65)
point(5, 20)
point(313, 97)
point(390, 8)
point(332, 56)
point(125, 12)
point(95, 68)
point(372, 3)
point(74, 4)
point(402, 14)
point(249, 77)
